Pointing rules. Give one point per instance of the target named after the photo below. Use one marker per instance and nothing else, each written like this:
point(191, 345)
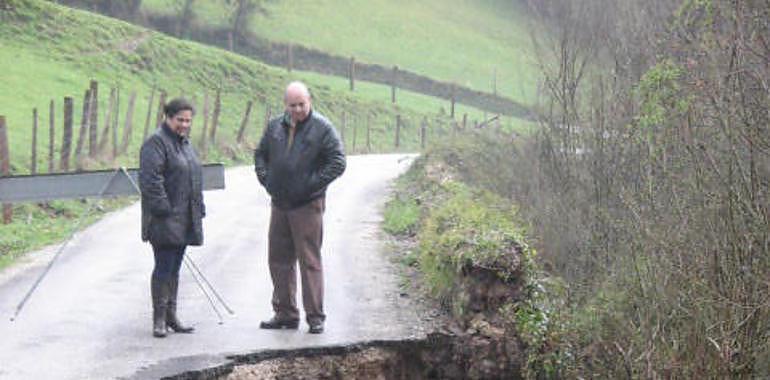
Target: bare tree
point(185, 16)
point(647, 183)
point(241, 14)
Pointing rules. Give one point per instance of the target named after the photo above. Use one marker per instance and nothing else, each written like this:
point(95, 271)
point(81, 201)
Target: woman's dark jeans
point(168, 261)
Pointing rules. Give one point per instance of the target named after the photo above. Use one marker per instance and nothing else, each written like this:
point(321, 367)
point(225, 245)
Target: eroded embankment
point(482, 352)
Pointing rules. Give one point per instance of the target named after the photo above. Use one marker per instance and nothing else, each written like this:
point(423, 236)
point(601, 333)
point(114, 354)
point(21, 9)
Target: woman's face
point(181, 122)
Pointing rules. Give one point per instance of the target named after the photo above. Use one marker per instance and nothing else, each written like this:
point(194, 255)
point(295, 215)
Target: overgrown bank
point(471, 251)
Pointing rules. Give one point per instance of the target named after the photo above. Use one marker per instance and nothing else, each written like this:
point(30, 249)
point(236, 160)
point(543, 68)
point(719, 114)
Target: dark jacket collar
point(287, 118)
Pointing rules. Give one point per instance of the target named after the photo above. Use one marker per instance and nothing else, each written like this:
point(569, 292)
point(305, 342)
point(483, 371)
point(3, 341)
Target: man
point(299, 155)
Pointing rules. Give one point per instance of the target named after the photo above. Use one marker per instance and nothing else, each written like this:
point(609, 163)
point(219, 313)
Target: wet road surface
point(91, 316)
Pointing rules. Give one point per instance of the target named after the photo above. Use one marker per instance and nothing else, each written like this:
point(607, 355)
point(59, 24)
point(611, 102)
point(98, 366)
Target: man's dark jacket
point(171, 181)
point(297, 175)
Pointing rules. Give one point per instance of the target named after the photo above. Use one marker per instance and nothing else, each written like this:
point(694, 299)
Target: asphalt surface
point(91, 316)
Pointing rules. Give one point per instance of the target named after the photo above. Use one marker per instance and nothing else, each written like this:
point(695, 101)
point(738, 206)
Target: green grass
point(469, 226)
point(451, 40)
point(401, 216)
point(54, 51)
point(35, 226)
point(50, 52)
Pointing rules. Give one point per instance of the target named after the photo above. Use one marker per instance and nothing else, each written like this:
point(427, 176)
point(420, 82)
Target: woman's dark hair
point(176, 106)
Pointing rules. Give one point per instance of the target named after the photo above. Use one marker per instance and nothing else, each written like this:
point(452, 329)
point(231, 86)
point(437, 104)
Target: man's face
point(297, 105)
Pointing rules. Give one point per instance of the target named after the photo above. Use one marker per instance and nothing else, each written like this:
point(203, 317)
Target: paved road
point(90, 318)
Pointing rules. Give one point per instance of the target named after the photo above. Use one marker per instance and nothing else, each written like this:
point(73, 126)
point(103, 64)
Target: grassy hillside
point(451, 40)
point(49, 52)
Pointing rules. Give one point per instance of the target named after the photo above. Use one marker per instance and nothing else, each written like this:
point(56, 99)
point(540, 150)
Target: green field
point(50, 52)
point(463, 41)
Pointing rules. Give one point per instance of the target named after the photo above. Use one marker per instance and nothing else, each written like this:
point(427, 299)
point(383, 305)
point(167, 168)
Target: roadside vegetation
point(648, 184)
point(644, 191)
point(472, 252)
point(38, 225)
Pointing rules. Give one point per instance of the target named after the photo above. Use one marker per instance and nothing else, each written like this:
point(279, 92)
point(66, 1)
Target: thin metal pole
point(213, 290)
point(203, 290)
point(131, 179)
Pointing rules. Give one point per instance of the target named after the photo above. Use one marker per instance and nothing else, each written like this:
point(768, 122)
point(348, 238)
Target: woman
point(170, 179)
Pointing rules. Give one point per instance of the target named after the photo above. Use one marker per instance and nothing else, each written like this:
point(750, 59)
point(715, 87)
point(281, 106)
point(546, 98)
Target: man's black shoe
point(275, 323)
point(316, 327)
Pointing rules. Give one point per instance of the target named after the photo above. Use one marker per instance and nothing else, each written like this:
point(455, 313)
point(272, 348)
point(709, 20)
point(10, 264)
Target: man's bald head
point(297, 88)
point(297, 101)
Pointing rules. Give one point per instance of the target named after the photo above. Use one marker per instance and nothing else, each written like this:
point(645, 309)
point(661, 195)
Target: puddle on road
point(437, 357)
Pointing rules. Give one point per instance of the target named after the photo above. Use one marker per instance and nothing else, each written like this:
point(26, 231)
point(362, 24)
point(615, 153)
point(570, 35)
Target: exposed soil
point(440, 356)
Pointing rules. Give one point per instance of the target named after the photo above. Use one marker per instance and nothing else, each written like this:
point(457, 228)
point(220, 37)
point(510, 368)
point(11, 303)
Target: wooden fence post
point(150, 107)
point(107, 122)
point(355, 133)
point(93, 123)
point(289, 57)
point(268, 115)
point(161, 103)
point(398, 131)
point(244, 122)
point(115, 124)
point(368, 132)
point(33, 163)
point(393, 82)
point(194, 127)
point(66, 144)
point(494, 81)
point(204, 133)
point(423, 128)
point(51, 136)
point(128, 124)
point(352, 73)
point(215, 116)
point(452, 103)
point(5, 166)
point(465, 121)
point(84, 129)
